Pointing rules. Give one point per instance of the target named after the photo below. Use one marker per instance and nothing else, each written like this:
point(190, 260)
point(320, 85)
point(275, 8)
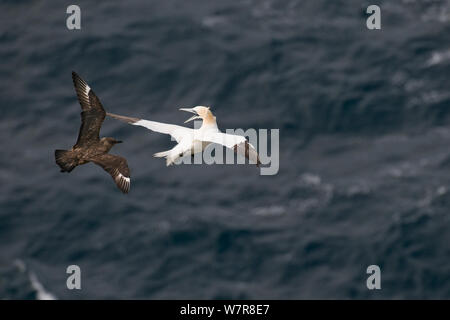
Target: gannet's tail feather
point(167, 154)
point(161, 154)
point(173, 154)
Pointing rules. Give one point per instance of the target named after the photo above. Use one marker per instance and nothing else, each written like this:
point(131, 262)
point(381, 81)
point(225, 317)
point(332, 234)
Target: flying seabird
point(191, 141)
point(89, 147)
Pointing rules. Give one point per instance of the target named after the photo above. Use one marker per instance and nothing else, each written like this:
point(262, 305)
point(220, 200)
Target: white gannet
point(191, 141)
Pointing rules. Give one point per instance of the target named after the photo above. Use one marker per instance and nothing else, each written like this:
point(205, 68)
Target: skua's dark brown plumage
point(89, 147)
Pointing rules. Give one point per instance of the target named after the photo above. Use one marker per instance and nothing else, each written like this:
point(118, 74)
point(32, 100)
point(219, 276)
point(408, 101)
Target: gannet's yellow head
point(200, 112)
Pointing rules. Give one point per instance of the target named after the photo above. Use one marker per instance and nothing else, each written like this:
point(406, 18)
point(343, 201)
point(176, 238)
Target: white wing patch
point(123, 182)
point(121, 176)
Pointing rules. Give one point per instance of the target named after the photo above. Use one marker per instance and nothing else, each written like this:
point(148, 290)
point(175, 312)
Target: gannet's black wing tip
point(248, 151)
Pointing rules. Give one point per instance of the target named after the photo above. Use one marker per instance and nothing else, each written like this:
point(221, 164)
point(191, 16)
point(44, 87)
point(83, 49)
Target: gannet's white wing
point(177, 132)
point(239, 144)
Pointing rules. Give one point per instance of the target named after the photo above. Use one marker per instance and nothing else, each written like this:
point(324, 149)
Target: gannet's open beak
point(196, 116)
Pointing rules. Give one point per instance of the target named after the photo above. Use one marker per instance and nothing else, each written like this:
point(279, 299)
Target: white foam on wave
point(41, 292)
point(358, 189)
point(310, 179)
point(212, 21)
point(438, 57)
point(274, 210)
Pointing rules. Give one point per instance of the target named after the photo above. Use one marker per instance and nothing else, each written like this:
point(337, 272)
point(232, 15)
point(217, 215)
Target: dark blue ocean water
point(364, 150)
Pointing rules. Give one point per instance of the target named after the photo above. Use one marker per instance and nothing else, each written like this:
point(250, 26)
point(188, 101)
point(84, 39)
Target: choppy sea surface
point(364, 178)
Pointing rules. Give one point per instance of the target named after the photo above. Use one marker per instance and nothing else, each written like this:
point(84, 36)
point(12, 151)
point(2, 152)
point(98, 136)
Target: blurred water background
point(364, 150)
